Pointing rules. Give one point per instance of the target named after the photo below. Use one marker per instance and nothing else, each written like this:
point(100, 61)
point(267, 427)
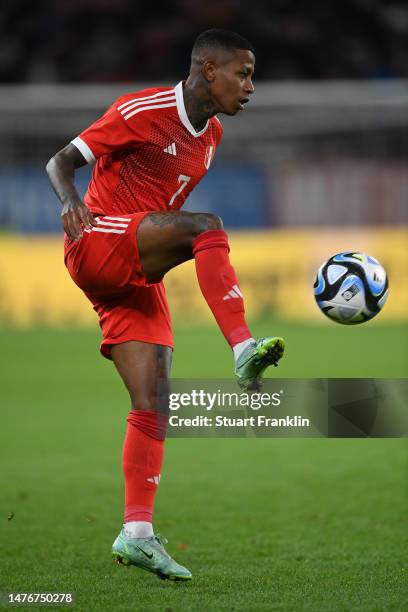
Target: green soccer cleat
point(148, 554)
point(254, 360)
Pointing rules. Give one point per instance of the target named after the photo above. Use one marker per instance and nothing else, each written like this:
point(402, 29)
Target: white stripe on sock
point(138, 529)
point(238, 348)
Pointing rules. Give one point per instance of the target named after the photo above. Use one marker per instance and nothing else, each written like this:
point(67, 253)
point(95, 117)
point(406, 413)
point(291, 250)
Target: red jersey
point(148, 155)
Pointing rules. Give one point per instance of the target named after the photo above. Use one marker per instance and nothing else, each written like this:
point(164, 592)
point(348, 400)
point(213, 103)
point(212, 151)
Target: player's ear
point(209, 70)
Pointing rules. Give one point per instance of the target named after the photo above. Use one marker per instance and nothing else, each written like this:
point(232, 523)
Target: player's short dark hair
point(221, 39)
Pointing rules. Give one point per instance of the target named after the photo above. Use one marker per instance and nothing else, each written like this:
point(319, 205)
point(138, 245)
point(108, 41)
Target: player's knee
point(155, 402)
point(206, 221)
point(145, 404)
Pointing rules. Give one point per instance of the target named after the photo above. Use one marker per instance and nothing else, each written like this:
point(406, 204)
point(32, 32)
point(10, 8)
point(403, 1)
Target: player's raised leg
point(167, 239)
point(144, 369)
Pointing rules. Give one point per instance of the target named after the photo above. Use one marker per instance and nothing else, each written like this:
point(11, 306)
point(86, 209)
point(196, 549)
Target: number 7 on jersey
point(183, 179)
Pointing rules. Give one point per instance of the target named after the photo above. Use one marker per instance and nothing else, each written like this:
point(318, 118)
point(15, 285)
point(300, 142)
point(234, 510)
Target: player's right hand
point(76, 216)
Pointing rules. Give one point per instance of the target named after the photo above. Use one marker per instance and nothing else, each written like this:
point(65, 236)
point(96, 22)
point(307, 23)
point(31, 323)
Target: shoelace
point(161, 539)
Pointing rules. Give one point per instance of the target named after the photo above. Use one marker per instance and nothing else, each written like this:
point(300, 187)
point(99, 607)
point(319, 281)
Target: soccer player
point(151, 148)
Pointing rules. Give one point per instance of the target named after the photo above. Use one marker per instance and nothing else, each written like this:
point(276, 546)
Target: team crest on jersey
point(209, 154)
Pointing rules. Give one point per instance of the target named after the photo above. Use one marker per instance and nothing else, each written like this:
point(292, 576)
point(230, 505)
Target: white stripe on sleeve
point(157, 95)
point(144, 108)
point(144, 103)
point(84, 149)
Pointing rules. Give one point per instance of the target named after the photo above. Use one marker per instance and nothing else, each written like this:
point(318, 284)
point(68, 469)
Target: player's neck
point(197, 101)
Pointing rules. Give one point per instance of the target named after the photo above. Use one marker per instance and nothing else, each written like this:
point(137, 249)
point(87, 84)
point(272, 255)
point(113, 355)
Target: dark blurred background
point(106, 41)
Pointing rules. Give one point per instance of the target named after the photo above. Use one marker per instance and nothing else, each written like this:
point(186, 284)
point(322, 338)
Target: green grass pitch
point(264, 524)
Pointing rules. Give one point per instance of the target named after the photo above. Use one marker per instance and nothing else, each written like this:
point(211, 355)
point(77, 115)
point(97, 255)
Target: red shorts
point(105, 265)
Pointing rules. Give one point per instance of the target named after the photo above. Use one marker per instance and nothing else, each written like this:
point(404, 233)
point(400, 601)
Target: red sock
point(142, 461)
point(219, 284)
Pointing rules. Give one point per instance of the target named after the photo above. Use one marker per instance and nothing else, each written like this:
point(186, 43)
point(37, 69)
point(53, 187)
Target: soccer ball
point(351, 288)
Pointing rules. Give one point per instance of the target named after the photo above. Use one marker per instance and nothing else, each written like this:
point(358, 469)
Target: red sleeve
point(109, 133)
